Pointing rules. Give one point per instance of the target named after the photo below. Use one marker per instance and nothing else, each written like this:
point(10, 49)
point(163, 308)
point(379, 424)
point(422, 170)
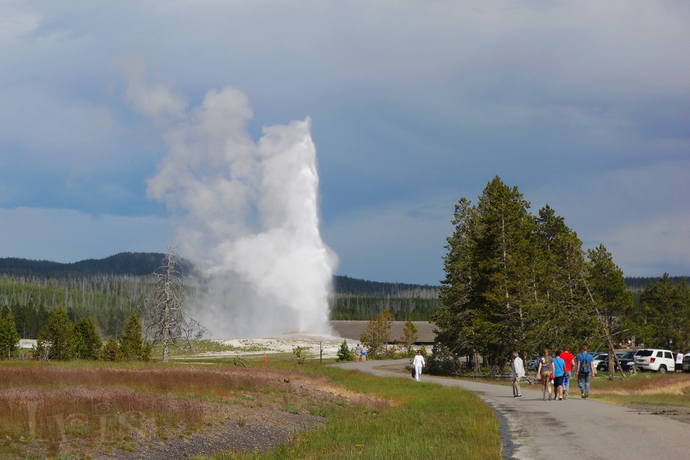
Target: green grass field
point(422, 421)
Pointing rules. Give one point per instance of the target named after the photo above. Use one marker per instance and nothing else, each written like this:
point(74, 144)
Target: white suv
point(653, 359)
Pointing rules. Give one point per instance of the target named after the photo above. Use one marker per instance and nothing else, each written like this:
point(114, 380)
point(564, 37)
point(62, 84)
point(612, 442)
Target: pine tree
point(409, 336)
point(9, 337)
point(131, 343)
point(609, 296)
point(111, 351)
point(503, 260)
point(87, 340)
point(344, 352)
point(563, 315)
point(665, 309)
point(377, 334)
point(56, 340)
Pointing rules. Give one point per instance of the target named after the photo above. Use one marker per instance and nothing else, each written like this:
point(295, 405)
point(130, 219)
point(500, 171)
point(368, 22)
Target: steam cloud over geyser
point(250, 209)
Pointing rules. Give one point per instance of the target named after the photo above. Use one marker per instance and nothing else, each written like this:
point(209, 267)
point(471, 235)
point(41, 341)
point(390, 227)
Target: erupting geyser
point(251, 221)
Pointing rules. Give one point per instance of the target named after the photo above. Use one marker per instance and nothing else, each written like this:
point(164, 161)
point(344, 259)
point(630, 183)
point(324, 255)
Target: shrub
point(298, 353)
point(111, 351)
point(344, 352)
point(443, 362)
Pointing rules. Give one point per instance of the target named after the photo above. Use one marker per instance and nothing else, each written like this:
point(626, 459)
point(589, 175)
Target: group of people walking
point(555, 372)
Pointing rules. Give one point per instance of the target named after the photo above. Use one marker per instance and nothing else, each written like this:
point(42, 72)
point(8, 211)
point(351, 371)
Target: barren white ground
point(284, 343)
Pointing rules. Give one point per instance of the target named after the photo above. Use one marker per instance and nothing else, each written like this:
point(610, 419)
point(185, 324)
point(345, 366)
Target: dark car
point(625, 358)
point(686, 362)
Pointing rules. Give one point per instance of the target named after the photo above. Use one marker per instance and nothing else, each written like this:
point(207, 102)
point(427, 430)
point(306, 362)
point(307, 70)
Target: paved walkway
point(575, 429)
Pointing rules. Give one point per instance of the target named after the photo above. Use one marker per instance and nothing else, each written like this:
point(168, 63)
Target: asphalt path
point(574, 429)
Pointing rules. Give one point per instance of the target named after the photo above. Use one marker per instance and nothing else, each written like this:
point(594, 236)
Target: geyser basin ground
point(281, 343)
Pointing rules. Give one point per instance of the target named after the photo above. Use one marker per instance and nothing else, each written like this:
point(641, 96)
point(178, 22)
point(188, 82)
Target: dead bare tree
point(166, 320)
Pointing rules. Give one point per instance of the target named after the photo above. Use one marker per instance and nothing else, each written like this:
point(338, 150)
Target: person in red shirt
point(569, 363)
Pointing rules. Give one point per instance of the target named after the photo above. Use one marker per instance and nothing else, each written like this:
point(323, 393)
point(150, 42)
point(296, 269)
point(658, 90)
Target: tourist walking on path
point(544, 371)
point(358, 352)
point(679, 362)
point(418, 362)
point(517, 372)
point(558, 375)
point(364, 355)
point(569, 360)
point(585, 372)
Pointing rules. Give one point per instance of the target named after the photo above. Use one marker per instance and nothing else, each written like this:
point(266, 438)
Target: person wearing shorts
point(364, 355)
point(544, 371)
point(558, 376)
point(569, 359)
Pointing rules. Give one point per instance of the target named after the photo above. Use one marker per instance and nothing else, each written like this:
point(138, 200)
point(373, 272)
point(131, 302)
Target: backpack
point(585, 364)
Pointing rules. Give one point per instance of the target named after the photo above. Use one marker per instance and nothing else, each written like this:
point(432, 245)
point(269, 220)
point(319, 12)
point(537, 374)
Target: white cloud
point(15, 21)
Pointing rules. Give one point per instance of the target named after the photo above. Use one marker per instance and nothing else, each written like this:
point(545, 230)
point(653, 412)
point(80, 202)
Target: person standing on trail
point(558, 375)
point(358, 353)
point(569, 363)
point(364, 355)
point(418, 362)
point(585, 372)
point(517, 372)
point(544, 371)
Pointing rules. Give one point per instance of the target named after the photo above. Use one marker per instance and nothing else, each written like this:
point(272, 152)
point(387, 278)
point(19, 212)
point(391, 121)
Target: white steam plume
point(251, 217)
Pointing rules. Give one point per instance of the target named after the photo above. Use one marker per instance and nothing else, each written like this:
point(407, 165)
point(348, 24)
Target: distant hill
point(125, 263)
point(145, 263)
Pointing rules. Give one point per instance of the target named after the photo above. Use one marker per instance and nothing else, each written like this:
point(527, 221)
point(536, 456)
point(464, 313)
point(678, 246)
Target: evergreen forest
point(518, 281)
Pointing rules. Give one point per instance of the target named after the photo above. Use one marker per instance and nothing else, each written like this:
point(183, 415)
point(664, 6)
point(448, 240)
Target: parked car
point(686, 362)
point(654, 359)
point(626, 359)
point(532, 364)
point(599, 357)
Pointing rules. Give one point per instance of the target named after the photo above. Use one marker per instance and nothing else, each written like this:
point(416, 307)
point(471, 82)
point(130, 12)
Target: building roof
point(353, 330)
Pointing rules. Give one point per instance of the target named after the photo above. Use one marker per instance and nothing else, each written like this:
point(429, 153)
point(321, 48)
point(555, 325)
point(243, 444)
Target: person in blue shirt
point(585, 372)
point(558, 376)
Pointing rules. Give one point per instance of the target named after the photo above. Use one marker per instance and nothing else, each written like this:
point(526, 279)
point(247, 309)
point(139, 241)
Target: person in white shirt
point(518, 371)
point(418, 362)
point(679, 363)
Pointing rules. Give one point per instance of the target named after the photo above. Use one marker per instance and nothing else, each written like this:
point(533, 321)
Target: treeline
point(517, 281)
point(355, 299)
point(109, 289)
point(359, 308)
point(347, 285)
point(107, 300)
point(638, 284)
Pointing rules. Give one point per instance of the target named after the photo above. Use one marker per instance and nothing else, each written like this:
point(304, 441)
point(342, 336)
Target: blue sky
point(585, 106)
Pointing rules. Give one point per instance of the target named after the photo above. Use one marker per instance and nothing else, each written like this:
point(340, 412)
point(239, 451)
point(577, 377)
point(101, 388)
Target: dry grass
point(659, 389)
point(94, 408)
point(151, 378)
